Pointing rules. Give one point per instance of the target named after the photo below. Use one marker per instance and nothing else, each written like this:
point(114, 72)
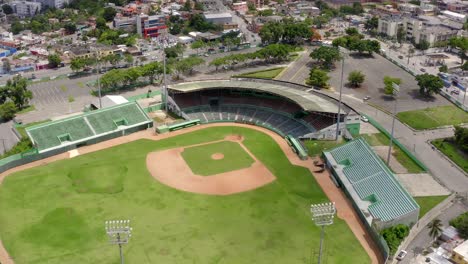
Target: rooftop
point(462, 250)
point(216, 15)
point(308, 101)
point(370, 182)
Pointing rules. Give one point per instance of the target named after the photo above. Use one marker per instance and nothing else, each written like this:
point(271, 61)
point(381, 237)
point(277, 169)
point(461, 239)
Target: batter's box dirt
point(170, 168)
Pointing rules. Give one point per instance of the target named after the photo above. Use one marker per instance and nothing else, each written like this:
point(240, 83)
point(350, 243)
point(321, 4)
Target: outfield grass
point(379, 139)
point(428, 202)
point(316, 147)
point(434, 117)
point(45, 219)
point(450, 149)
point(200, 162)
point(265, 74)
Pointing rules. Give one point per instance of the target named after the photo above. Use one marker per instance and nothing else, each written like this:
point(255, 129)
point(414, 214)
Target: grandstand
point(376, 194)
point(89, 127)
point(285, 110)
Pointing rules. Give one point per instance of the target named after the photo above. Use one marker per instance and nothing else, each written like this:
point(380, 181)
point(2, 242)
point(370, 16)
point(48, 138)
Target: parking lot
point(375, 68)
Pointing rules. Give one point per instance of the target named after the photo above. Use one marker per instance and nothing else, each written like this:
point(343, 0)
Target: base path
point(344, 207)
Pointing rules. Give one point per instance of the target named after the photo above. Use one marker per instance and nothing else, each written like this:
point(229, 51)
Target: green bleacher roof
point(86, 126)
point(372, 180)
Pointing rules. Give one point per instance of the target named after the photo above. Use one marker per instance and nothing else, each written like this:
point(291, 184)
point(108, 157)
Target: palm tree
point(435, 228)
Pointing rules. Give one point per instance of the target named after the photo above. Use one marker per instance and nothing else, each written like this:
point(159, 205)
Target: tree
point(326, 55)
point(429, 84)
point(394, 235)
point(128, 59)
point(435, 228)
point(77, 64)
point(461, 224)
point(372, 23)
point(152, 70)
point(109, 13)
point(423, 45)
point(187, 6)
point(410, 53)
point(54, 60)
point(462, 44)
point(443, 68)
point(318, 78)
point(101, 23)
point(356, 78)
point(8, 110)
point(197, 45)
point(175, 51)
point(464, 67)
point(16, 27)
point(217, 62)
point(6, 65)
point(70, 28)
point(388, 82)
point(251, 6)
point(401, 34)
point(18, 92)
point(271, 32)
point(461, 138)
point(352, 31)
point(7, 9)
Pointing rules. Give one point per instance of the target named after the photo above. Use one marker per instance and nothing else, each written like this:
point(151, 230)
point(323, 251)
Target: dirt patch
point(170, 168)
point(217, 156)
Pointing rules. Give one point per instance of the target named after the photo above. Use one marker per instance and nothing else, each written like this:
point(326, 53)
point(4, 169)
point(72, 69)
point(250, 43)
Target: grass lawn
point(47, 218)
point(451, 150)
point(428, 202)
point(27, 109)
point(380, 139)
point(200, 162)
point(265, 74)
point(316, 147)
point(434, 117)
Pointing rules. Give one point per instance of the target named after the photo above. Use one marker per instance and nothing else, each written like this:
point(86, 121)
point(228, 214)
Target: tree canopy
point(288, 31)
point(356, 78)
point(461, 224)
point(388, 83)
point(394, 235)
point(461, 138)
point(54, 60)
point(462, 44)
point(429, 84)
point(318, 78)
point(109, 13)
point(326, 55)
point(15, 91)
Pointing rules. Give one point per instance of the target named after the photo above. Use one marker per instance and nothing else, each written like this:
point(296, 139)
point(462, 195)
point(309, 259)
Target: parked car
point(401, 255)
point(400, 57)
point(364, 119)
point(366, 98)
point(455, 92)
point(422, 69)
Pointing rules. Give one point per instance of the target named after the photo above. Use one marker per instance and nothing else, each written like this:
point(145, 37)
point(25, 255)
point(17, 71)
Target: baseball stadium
point(231, 183)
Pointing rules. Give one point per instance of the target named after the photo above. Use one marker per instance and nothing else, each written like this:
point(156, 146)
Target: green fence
point(396, 142)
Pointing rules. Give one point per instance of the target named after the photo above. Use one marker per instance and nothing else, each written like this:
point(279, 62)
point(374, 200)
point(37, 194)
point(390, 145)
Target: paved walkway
point(421, 184)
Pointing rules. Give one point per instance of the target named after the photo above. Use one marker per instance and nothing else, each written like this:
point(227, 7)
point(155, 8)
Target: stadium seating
point(104, 121)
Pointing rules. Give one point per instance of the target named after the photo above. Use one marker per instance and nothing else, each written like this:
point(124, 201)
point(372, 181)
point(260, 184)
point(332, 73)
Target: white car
point(364, 119)
point(401, 255)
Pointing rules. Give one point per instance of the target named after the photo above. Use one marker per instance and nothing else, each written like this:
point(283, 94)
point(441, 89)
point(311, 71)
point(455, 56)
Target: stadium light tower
point(343, 54)
point(119, 232)
point(395, 91)
point(322, 215)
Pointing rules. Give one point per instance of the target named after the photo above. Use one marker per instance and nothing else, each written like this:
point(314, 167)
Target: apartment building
point(125, 23)
point(151, 26)
point(25, 9)
point(460, 253)
point(53, 3)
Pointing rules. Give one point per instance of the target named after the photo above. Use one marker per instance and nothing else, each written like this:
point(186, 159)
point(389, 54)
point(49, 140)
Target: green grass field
point(434, 117)
point(265, 74)
point(200, 162)
point(56, 213)
point(428, 202)
point(450, 149)
point(380, 139)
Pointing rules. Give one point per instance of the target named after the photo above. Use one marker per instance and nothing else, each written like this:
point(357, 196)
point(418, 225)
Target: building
point(25, 9)
point(151, 26)
point(240, 7)
point(218, 18)
point(85, 51)
point(124, 23)
point(53, 3)
point(460, 253)
point(420, 28)
point(378, 197)
point(461, 18)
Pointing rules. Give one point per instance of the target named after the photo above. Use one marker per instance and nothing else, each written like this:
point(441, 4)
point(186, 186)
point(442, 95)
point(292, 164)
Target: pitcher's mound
point(217, 156)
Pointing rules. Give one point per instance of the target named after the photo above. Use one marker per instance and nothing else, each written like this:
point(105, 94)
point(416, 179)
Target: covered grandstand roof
point(368, 180)
point(308, 101)
point(76, 129)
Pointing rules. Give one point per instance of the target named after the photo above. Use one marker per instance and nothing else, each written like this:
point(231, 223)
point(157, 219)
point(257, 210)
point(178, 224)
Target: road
point(423, 240)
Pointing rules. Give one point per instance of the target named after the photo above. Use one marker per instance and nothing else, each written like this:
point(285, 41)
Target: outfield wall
point(30, 156)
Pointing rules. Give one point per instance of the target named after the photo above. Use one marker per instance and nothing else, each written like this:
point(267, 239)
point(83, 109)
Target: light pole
point(341, 91)
point(322, 215)
point(98, 63)
point(396, 90)
point(119, 232)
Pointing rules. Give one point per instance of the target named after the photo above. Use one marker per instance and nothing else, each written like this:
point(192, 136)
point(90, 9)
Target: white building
point(460, 253)
point(25, 9)
point(218, 18)
point(454, 16)
point(53, 3)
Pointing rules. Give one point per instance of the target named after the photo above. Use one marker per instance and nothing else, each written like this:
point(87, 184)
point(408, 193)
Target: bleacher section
point(260, 108)
point(371, 184)
point(90, 125)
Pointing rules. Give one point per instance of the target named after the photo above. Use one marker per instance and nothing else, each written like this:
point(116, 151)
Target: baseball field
point(55, 213)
